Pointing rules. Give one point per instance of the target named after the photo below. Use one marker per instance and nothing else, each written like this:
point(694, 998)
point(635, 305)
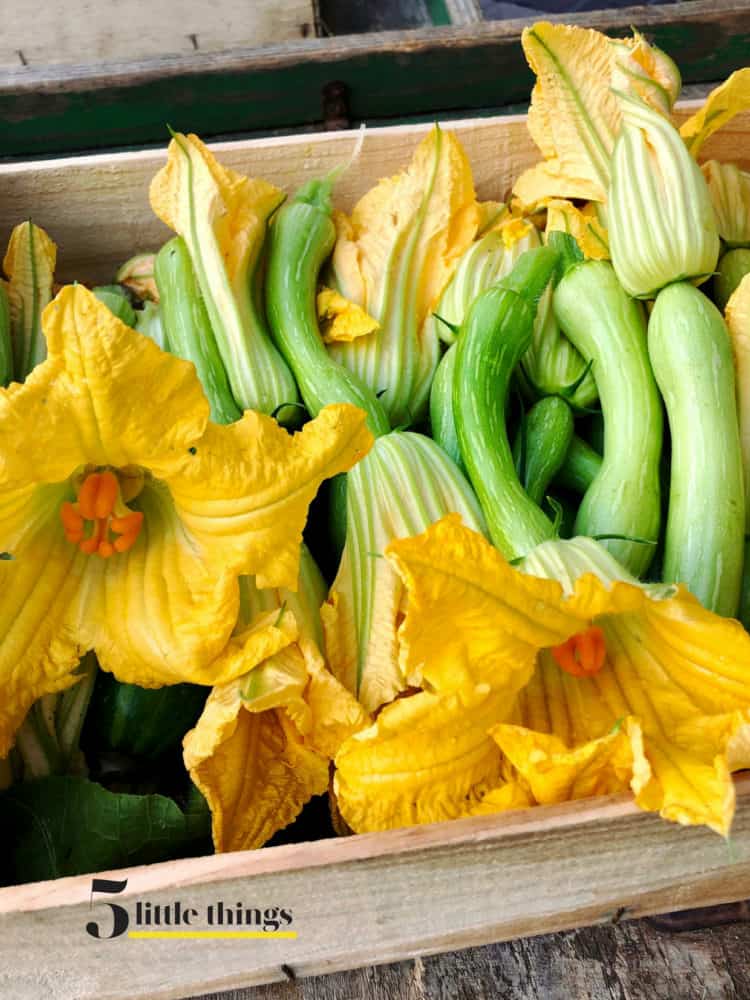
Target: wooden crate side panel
point(95, 235)
point(78, 31)
point(426, 891)
point(388, 75)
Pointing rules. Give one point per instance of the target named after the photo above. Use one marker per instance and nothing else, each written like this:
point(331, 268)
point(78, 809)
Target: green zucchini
point(494, 337)
point(691, 355)
point(301, 238)
point(117, 301)
point(547, 433)
point(188, 329)
point(609, 329)
point(580, 468)
point(442, 423)
point(731, 269)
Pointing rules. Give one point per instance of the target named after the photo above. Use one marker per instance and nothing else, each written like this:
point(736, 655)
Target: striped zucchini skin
point(548, 432)
point(493, 339)
point(692, 360)
point(442, 423)
point(6, 344)
point(608, 328)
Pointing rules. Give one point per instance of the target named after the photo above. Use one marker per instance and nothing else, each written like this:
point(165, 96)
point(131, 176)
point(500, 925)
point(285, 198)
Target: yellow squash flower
point(729, 188)
point(223, 216)
point(263, 745)
point(574, 117)
point(564, 679)
point(394, 257)
point(126, 516)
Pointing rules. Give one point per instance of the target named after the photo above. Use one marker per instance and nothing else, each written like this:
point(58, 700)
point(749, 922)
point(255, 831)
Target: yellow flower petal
point(492, 215)
point(158, 613)
point(223, 216)
point(573, 117)
point(342, 320)
point(234, 209)
point(30, 266)
point(557, 773)
point(426, 759)
point(38, 650)
point(105, 396)
point(138, 274)
point(262, 746)
point(730, 196)
point(254, 770)
point(720, 107)
point(244, 495)
point(395, 258)
point(471, 617)
point(581, 224)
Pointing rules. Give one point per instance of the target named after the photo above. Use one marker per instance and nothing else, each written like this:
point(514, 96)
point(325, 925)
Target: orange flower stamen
point(98, 498)
point(583, 655)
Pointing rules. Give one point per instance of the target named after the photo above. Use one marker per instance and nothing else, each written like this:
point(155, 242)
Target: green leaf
point(66, 825)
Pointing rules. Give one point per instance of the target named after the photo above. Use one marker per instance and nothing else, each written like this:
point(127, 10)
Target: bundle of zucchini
point(534, 417)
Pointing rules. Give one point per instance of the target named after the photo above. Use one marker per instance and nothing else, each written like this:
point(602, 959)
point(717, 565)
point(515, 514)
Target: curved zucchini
point(580, 468)
point(547, 432)
point(608, 328)
point(301, 237)
point(493, 339)
point(692, 360)
point(731, 269)
point(442, 422)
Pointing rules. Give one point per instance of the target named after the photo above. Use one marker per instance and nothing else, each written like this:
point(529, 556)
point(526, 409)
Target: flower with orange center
point(126, 516)
point(559, 679)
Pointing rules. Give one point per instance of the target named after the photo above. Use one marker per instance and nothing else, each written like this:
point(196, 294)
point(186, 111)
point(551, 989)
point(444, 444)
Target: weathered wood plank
point(377, 898)
point(76, 31)
point(631, 960)
point(96, 235)
point(416, 72)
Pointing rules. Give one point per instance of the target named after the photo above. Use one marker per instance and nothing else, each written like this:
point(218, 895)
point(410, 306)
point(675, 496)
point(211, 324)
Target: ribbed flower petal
point(394, 258)
point(106, 395)
point(39, 649)
point(30, 266)
point(222, 216)
point(262, 746)
point(342, 321)
point(720, 107)
point(427, 758)
point(244, 495)
point(404, 484)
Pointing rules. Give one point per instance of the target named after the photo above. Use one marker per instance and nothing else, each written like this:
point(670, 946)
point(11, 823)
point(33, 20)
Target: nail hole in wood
point(194, 41)
point(22, 57)
point(289, 972)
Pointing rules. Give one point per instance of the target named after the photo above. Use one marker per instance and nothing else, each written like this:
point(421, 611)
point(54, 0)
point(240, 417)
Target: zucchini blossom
point(222, 217)
point(126, 516)
point(264, 742)
point(729, 188)
point(394, 257)
point(30, 266)
point(556, 680)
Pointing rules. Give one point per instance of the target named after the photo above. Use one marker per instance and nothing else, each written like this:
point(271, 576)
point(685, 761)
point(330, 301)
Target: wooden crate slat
point(376, 898)
point(81, 31)
point(416, 72)
point(96, 235)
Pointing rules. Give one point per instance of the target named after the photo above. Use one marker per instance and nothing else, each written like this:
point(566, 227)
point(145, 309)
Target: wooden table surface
point(634, 960)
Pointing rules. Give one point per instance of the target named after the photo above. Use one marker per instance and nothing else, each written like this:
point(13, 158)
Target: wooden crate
point(364, 899)
point(468, 65)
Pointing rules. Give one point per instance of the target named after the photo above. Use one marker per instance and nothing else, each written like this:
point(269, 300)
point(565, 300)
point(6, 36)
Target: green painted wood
point(388, 75)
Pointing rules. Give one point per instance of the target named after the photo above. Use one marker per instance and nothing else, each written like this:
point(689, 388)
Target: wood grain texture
point(95, 235)
point(376, 899)
point(388, 74)
point(629, 961)
point(78, 31)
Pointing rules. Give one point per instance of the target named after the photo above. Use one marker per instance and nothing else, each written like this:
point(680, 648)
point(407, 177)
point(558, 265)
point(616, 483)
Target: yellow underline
point(213, 934)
